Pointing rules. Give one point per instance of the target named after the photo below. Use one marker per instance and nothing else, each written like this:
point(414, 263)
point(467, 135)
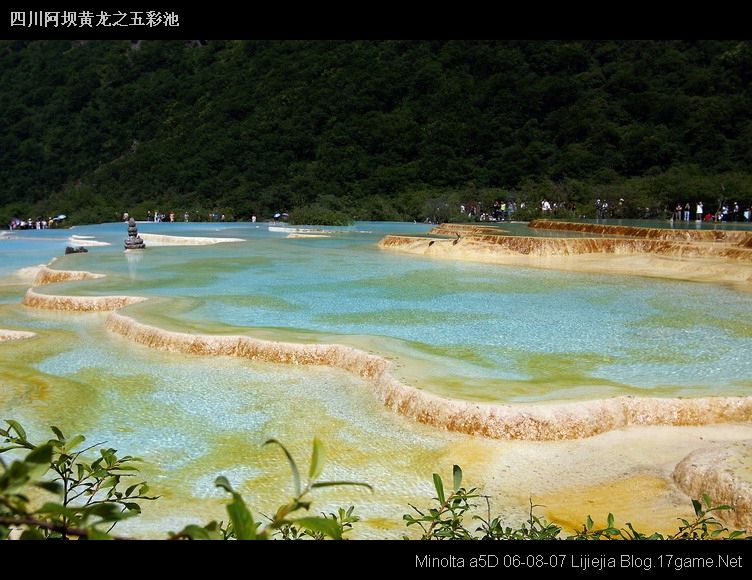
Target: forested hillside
point(376, 129)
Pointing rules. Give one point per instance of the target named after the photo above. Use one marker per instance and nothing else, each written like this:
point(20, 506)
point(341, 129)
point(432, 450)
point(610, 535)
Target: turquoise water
point(467, 330)
point(23, 248)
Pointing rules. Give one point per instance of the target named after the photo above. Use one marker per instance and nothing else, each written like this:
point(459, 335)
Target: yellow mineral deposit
point(46, 275)
point(465, 229)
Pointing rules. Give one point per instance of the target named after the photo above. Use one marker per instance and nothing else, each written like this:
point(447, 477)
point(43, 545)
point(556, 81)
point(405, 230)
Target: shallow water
point(463, 330)
point(505, 333)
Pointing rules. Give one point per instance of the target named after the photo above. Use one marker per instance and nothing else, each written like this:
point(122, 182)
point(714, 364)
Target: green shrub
point(90, 497)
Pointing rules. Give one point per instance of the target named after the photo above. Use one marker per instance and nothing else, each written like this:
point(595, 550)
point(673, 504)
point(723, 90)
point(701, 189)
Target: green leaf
point(38, 461)
point(457, 477)
point(73, 443)
point(110, 482)
point(109, 457)
point(15, 478)
point(335, 483)
point(132, 506)
point(124, 468)
point(195, 532)
point(317, 460)
point(241, 518)
point(698, 507)
point(58, 433)
point(32, 534)
point(55, 509)
point(16, 426)
point(439, 485)
point(222, 482)
point(95, 534)
point(706, 499)
point(589, 523)
point(106, 511)
point(51, 486)
point(610, 520)
point(9, 447)
point(326, 526)
point(293, 465)
point(41, 455)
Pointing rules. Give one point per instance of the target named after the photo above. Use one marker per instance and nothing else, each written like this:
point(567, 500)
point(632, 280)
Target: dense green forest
point(370, 129)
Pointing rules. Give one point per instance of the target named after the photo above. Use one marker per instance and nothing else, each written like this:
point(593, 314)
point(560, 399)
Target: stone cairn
point(133, 241)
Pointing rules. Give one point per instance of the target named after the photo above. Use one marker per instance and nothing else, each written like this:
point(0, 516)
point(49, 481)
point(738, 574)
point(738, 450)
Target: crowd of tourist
point(500, 211)
point(158, 217)
point(605, 209)
point(727, 212)
point(40, 223)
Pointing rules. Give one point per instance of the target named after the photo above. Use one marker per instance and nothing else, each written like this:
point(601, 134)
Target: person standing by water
point(686, 212)
point(698, 214)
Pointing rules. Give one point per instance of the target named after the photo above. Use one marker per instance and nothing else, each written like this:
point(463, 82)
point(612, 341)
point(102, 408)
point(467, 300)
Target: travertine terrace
point(714, 256)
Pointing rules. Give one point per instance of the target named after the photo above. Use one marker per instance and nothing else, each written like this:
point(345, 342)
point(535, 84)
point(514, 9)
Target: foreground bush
point(90, 497)
point(445, 520)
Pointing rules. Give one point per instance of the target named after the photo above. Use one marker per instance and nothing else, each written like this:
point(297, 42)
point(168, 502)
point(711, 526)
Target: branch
point(29, 521)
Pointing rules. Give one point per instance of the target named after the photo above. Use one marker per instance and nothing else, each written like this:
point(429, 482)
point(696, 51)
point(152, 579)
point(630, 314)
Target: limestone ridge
point(735, 237)
point(721, 472)
point(715, 256)
point(539, 422)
